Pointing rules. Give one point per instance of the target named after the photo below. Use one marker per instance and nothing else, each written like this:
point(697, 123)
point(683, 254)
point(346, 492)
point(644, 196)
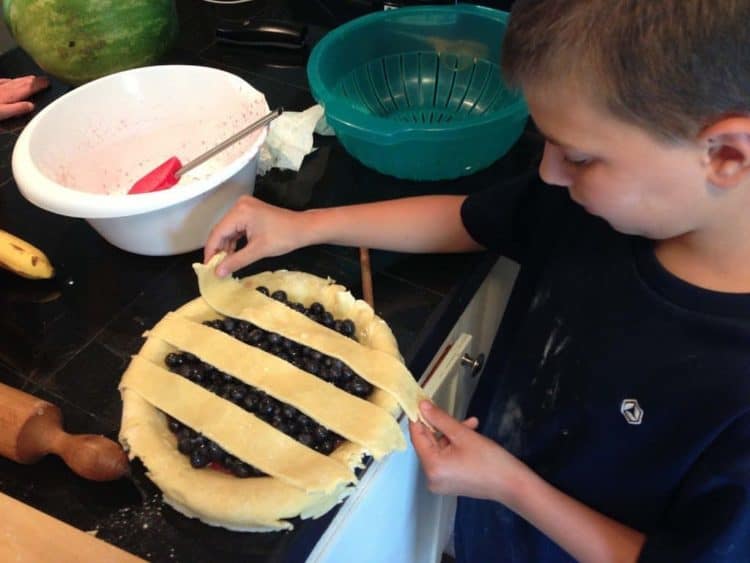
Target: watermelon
point(80, 40)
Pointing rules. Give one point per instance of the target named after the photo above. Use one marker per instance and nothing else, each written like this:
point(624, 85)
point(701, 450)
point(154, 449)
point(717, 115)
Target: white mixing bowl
point(81, 154)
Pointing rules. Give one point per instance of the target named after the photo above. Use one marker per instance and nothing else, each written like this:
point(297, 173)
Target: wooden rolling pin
point(31, 428)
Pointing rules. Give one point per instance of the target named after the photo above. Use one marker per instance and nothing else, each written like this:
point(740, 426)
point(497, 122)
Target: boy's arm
point(416, 224)
point(584, 533)
point(463, 462)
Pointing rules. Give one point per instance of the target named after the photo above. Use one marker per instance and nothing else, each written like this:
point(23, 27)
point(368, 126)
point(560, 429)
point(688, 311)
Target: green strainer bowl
point(417, 92)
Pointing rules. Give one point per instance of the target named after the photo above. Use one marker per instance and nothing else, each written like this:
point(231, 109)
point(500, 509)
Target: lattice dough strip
point(349, 416)
point(229, 297)
point(237, 431)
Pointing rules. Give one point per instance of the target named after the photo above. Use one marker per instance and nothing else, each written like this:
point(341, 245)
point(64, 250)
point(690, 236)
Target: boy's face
point(619, 172)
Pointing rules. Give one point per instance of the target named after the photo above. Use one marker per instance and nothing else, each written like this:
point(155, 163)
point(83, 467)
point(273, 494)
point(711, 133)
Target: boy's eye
point(577, 160)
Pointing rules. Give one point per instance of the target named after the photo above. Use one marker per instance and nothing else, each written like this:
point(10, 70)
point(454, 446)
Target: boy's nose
point(552, 169)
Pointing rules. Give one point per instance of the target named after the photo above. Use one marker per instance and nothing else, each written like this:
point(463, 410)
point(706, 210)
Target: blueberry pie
point(256, 402)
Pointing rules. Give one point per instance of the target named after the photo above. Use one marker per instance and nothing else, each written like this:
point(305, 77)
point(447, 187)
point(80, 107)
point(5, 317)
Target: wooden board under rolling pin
point(30, 536)
point(31, 428)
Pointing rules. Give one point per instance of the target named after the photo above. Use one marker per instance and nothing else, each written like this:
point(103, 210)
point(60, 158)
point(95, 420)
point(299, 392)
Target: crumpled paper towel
point(290, 139)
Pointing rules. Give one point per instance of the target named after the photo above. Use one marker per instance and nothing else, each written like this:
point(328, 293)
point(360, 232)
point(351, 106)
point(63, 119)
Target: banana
point(22, 258)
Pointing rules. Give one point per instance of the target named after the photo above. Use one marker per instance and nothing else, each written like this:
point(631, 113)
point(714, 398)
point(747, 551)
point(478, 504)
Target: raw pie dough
point(301, 481)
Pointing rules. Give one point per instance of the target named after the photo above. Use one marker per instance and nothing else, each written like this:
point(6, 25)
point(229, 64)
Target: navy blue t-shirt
point(624, 386)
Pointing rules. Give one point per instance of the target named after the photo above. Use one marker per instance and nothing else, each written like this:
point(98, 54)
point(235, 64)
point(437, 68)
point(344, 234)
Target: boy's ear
point(727, 151)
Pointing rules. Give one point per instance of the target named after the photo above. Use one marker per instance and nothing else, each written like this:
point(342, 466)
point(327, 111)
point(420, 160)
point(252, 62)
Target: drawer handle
point(475, 364)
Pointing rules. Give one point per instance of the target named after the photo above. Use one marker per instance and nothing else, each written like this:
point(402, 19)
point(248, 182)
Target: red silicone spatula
point(168, 173)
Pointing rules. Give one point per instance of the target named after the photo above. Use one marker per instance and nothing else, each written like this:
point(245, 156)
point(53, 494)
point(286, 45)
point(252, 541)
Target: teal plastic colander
point(417, 92)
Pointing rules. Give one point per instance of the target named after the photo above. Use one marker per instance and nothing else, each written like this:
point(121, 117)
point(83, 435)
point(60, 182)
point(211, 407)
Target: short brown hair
point(672, 67)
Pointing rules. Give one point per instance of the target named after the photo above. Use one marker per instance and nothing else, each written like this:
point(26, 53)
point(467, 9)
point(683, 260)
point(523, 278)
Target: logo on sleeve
point(632, 411)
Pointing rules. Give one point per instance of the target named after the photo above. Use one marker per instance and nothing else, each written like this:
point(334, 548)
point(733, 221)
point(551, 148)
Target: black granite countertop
point(68, 340)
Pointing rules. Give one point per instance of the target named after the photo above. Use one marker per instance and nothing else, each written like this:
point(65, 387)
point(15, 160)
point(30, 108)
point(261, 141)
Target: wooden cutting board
point(30, 536)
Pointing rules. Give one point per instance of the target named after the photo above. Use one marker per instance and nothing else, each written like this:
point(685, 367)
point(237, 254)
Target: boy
point(619, 426)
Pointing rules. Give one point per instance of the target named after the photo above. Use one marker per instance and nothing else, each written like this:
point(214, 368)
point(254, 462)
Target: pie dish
point(296, 479)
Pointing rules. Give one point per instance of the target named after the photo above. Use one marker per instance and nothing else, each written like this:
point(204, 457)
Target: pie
point(257, 401)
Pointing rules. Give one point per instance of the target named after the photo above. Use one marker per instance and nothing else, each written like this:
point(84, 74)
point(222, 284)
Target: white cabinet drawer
point(480, 320)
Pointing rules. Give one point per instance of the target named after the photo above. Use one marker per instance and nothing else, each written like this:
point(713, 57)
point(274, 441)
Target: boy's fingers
point(229, 245)
point(223, 234)
point(421, 438)
point(30, 85)
point(226, 266)
point(471, 423)
point(211, 248)
point(223, 244)
point(236, 260)
point(441, 420)
point(215, 238)
point(39, 83)
point(19, 89)
point(12, 110)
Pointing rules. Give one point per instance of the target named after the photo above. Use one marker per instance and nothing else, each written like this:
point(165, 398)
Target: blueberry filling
point(285, 418)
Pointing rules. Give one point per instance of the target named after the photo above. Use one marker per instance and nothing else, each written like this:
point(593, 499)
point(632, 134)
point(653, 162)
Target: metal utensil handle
point(229, 142)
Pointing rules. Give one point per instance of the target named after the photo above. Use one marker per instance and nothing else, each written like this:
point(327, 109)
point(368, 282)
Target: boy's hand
point(463, 462)
point(270, 231)
point(459, 461)
point(14, 91)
